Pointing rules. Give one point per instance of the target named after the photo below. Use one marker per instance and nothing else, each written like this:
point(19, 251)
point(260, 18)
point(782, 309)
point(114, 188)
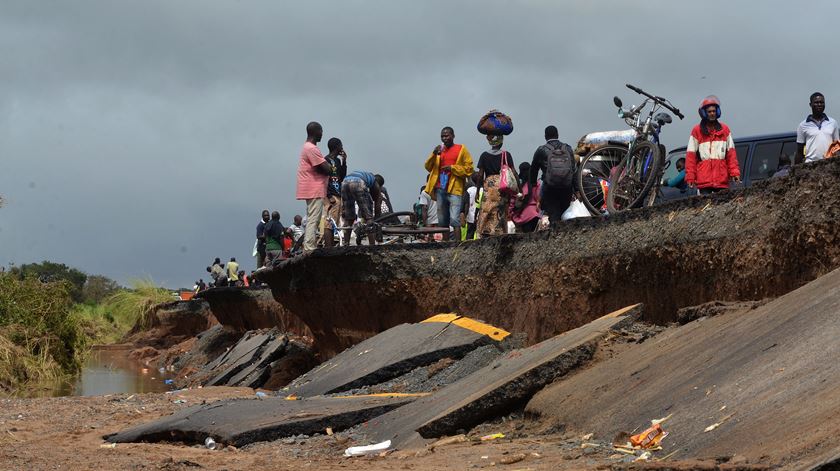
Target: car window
point(765, 160)
point(742, 150)
point(671, 165)
point(789, 150)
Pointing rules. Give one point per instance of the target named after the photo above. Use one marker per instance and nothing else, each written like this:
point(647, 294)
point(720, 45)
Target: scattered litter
point(586, 437)
point(144, 370)
point(589, 445)
point(329, 431)
point(510, 459)
point(536, 455)
point(484, 457)
point(179, 401)
point(643, 457)
point(362, 353)
point(108, 445)
point(492, 436)
point(449, 440)
point(130, 397)
point(718, 424)
point(660, 421)
point(649, 438)
point(161, 370)
point(722, 408)
point(169, 381)
point(209, 443)
point(261, 394)
point(367, 449)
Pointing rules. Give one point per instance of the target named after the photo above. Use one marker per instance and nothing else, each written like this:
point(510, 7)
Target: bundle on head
point(495, 123)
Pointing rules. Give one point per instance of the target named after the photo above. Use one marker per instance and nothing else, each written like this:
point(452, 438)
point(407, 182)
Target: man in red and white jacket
point(710, 160)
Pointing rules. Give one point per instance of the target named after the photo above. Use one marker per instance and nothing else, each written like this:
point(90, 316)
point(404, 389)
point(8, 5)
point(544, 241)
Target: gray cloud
point(143, 138)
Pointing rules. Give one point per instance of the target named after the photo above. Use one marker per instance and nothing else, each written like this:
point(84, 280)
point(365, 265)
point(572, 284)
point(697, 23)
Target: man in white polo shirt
point(816, 133)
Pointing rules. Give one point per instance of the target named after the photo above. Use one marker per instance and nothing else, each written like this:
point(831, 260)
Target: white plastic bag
point(368, 450)
point(575, 210)
point(254, 252)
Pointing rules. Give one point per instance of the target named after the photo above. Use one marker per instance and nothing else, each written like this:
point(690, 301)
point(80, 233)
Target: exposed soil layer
point(171, 323)
point(247, 309)
point(745, 245)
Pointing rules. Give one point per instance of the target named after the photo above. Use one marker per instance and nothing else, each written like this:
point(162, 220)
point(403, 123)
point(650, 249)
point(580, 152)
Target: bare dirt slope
point(746, 245)
point(769, 376)
point(246, 309)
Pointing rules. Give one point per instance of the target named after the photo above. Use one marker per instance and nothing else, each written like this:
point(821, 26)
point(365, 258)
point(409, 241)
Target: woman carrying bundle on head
point(496, 175)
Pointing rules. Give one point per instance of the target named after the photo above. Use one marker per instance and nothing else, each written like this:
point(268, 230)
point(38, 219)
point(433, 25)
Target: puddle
point(108, 371)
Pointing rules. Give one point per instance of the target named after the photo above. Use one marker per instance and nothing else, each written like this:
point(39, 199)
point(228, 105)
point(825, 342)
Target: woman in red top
point(710, 160)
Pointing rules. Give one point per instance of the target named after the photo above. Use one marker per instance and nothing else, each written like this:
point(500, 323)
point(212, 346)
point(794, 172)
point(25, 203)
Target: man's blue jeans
point(449, 210)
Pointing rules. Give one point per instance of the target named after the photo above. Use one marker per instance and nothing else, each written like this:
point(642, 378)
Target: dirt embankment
point(171, 323)
point(247, 309)
point(745, 245)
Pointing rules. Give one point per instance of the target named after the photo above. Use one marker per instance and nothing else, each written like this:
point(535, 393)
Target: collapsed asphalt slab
point(260, 359)
point(494, 389)
point(749, 244)
point(239, 422)
point(761, 384)
point(395, 352)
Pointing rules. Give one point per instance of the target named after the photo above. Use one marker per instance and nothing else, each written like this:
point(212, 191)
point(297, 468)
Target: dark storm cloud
point(143, 138)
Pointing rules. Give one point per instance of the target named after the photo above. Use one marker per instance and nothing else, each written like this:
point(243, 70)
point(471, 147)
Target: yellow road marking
point(491, 331)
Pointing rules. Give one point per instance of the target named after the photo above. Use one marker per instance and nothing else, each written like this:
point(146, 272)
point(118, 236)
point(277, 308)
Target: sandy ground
point(66, 433)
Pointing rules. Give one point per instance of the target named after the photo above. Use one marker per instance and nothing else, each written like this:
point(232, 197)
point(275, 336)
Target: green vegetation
point(133, 306)
point(42, 338)
point(45, 331)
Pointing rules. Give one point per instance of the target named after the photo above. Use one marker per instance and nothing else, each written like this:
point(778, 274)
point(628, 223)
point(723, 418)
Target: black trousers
point(555, 201)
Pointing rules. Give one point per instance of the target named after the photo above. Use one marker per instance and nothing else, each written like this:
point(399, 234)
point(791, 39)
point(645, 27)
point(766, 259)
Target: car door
point(742, 149)
point(764, 160)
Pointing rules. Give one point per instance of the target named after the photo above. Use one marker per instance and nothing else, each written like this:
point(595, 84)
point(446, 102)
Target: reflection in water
point(106, 371)
point(110, 371)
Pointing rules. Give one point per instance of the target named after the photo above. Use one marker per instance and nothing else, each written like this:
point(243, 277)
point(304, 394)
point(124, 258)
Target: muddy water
point(108, 371)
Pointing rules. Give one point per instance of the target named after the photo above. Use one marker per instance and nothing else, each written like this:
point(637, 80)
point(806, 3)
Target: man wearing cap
point(710, 160)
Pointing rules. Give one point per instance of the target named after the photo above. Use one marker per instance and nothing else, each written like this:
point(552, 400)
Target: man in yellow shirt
point(449, 165)
point(233, 271)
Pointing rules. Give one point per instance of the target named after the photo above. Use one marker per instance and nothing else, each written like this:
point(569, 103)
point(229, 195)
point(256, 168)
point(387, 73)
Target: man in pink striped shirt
point(312, 175)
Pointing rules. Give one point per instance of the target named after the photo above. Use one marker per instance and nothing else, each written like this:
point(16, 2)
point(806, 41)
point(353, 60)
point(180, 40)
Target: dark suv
point(758, 157)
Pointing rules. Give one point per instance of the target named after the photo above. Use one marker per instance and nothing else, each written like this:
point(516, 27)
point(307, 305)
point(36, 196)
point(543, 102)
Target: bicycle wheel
point(395, 215)
point(594, 174)
point(633, 177)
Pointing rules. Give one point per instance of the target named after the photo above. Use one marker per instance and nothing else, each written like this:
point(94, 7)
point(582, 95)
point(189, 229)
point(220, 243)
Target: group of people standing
point(224, 275)
point(476, 203)
point(711, 162)
point(332, 195)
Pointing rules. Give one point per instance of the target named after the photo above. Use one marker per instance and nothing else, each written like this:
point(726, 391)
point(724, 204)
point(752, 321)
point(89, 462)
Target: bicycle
point(391, 225)
point(618, 176)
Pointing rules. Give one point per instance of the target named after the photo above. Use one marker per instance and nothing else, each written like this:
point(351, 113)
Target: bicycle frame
point(639, 168)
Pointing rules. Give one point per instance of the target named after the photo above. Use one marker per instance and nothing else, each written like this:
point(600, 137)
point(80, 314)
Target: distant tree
point(97, 288)
point(47, 272)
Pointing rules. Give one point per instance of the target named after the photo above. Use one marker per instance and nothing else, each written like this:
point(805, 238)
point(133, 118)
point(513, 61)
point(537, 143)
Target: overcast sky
point(143, 138)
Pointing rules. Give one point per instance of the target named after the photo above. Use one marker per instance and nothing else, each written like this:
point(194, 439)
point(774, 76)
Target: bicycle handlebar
point(657, 99)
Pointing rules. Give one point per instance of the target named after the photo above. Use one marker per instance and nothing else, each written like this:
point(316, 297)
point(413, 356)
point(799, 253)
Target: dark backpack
point(559, 166)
